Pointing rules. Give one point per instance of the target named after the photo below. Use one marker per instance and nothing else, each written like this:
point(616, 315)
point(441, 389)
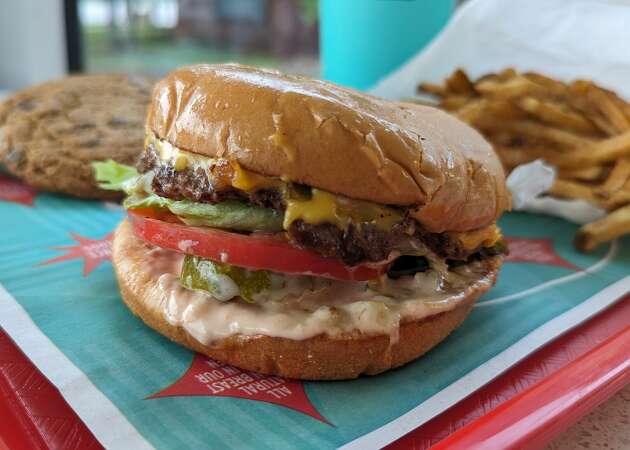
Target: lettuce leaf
point(112, 175)
point(232, 215)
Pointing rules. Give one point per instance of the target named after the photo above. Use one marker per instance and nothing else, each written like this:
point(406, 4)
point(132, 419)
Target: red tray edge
point(533, 417)
point(16, 416)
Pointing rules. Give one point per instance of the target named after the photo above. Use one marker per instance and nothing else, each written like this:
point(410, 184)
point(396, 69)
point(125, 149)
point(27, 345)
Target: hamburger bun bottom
point(321, 357)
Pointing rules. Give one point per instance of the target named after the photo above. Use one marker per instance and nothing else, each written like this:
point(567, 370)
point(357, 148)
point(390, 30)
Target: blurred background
point(46, 39)
point(43, 39)
point(154, 36)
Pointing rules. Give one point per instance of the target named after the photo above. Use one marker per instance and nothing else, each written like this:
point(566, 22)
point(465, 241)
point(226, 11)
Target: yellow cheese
point(180, 159)
point(324, 207)
point(482, 237)
point(166, 151)
point(320, 208)
point(249, 181)
point(181, 163)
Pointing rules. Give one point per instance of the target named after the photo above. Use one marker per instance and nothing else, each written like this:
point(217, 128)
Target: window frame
point(74, 44)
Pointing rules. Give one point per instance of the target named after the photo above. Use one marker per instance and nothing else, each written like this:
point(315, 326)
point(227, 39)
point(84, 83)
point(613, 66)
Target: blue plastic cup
point(362, 41)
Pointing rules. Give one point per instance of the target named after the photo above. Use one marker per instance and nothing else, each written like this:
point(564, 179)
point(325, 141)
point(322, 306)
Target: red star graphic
point(539, 251)
point(93, 252)
point(12, 190)
point(207, 377)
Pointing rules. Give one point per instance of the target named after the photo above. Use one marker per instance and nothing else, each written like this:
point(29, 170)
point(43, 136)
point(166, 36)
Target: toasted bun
point(333, 138)
point(318, 358)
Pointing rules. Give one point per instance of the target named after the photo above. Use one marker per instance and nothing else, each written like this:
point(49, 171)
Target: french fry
point(612, 226)
point(536, 131)
point(515, 156)
point(608, 108)
point(553, 114)
point(580, 87)
point(512, 88)
point(599, 152)
point(507, 74)
point(504, 110)
point(579, 127)
point(616, 200)
point(454, 102)
point(574, 189)
point(554, 87)
point(623, 106)
point(587, 98)
point(471, 111)
point(488, 111)
point(618, 177)
point(459, 83)
point(578, 190)
point(600, 122)
point(437, 90)
point(501, 138)
point(586, 174)
point(504, 75)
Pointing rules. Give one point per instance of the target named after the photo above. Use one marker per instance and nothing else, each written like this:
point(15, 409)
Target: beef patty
point(355, 244)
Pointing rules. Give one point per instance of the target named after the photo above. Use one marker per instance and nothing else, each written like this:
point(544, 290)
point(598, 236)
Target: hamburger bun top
point(333, 138)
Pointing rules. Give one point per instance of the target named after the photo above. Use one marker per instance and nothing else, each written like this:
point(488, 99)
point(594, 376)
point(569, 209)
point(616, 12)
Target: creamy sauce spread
point(305, 307)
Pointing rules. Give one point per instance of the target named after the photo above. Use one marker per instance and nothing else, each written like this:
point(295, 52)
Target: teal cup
point(362, 41)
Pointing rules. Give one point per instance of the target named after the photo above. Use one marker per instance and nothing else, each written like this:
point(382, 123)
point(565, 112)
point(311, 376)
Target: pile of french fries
point(580, 128)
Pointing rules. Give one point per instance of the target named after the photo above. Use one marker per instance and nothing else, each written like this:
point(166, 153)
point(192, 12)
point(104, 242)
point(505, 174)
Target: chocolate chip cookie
point(49, 134)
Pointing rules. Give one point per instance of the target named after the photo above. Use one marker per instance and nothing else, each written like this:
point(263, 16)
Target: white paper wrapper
point(577, 211)
point(529, 182)
point(566, 39)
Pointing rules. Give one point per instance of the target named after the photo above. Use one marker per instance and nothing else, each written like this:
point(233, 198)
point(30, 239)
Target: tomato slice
point(256, 251)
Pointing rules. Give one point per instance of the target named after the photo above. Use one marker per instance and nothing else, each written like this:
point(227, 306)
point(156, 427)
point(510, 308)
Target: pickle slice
point(223, 281)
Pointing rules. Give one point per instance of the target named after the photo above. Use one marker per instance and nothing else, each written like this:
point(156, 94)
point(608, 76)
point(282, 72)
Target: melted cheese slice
point(250, 181)
point(238, 177)
point(324, 207)
point(321, 207)
point(180, 159)
point(482, 237)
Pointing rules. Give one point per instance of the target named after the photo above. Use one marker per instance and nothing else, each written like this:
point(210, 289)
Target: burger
point(292, 227)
